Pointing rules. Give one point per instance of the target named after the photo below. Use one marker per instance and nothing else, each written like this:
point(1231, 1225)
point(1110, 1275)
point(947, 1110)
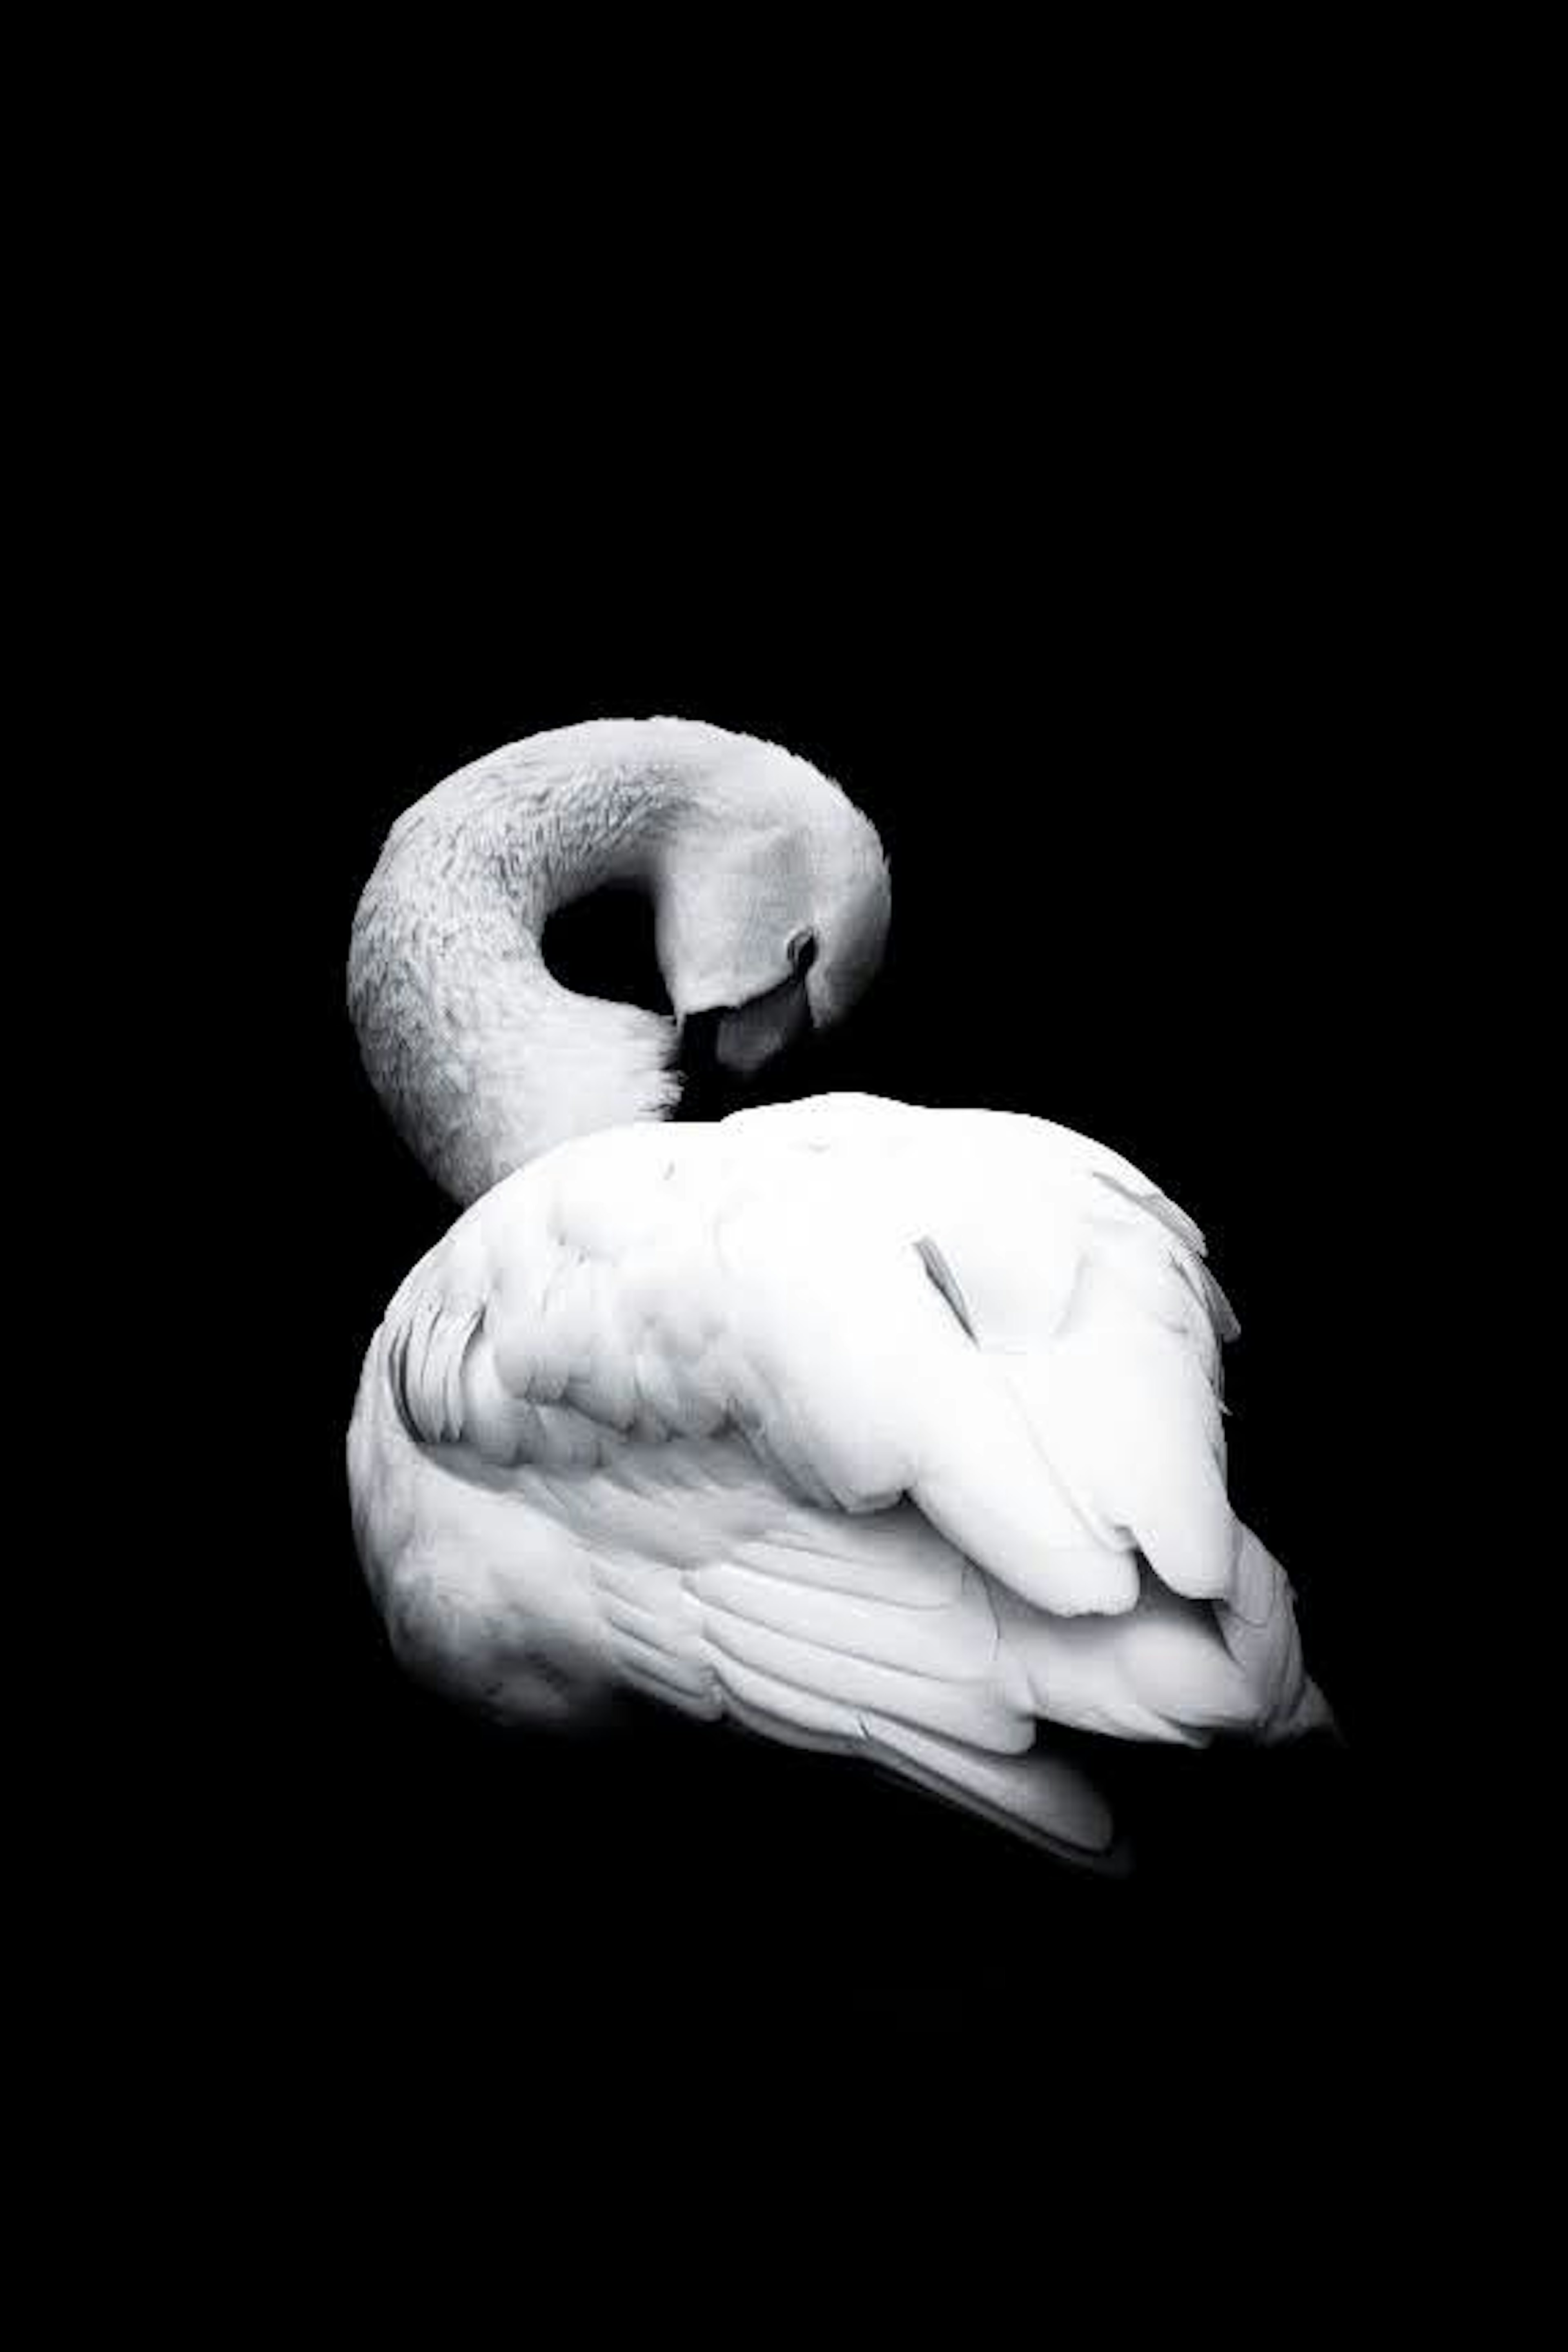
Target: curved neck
point(482, 1060)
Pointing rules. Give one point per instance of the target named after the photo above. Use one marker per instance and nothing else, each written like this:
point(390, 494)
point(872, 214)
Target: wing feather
point(887, 1430)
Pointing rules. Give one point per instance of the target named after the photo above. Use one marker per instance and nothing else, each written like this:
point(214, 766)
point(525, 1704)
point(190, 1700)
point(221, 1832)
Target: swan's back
point(888, 1428)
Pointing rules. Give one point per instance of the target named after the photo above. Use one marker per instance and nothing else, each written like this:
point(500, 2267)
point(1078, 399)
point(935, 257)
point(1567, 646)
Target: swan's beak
point(748, 1035)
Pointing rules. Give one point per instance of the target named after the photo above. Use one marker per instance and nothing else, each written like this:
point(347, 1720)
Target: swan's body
point(890, 1430)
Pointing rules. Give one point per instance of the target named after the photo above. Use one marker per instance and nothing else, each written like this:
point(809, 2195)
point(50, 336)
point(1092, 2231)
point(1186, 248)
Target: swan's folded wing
point(647, 1285)
point(858, 1384)
point(1003, 1321)
point(1087, 1292)
point(716, 1483)
point(1036, 1374)
point(816, 1641)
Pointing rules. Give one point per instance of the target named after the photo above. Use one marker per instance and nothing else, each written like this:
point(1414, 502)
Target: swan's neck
point(481, 1058)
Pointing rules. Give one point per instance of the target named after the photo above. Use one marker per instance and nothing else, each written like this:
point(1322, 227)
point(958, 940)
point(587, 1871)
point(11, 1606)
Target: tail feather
point(1262, 1637)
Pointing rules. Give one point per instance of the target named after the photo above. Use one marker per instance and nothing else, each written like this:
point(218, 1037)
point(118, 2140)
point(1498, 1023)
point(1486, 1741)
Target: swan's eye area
point(802, 952)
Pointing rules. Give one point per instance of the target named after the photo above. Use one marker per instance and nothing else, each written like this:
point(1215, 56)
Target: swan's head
point(773, 910)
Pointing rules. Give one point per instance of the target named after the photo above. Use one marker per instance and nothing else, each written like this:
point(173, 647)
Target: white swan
point(887, 1430)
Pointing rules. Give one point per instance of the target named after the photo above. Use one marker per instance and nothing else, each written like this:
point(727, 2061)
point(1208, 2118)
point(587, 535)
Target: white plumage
point(881, 1429)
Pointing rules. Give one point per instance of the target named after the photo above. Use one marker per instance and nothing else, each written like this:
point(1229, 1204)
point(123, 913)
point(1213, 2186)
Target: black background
point(1127, 685)
point(1103, 485)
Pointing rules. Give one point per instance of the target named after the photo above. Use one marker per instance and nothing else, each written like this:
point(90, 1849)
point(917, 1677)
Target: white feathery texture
point(482, 1059)
point(888, 1430)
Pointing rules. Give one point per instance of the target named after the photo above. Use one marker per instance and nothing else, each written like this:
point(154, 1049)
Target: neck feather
point(483, 1060)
